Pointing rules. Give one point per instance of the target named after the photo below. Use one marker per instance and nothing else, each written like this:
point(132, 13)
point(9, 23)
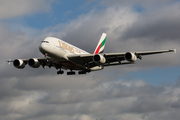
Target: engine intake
point(129, 56)
point(18, 63)
point(99, 59)
point(33, 62)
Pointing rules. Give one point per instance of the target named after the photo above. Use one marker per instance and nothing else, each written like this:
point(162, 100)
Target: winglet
point(173, 51)
point(9, 61)
point(101, 45)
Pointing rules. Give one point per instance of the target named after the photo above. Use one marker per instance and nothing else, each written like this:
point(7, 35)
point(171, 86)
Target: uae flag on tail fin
point(101, 45)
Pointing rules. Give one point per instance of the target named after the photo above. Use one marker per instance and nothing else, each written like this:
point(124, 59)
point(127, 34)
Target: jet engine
point(129, 56)
point(99, 59)
point(33, 62)
point(18, 63)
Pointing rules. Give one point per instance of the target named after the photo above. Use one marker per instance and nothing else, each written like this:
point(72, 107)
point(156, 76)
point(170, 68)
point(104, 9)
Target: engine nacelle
point(129, 56)
point(99, 59)
point(18, 63)
point(33, 62)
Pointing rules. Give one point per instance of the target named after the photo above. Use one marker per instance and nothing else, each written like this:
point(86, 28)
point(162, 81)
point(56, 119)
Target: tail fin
point(101, 45)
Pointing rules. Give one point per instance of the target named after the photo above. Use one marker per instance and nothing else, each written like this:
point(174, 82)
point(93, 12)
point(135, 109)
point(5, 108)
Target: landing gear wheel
point(71, 73)
point(82, 72)
point(60, 72)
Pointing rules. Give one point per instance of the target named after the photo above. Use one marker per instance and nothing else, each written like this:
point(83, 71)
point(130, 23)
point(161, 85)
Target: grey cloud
point(9, 9)
point(93, 94)
point(159, 25)
point(145, 4)
point(50, 96)
point(148, 98)
point(7, 90)
point(176, 104)
point(154, 99)
point(163, 115)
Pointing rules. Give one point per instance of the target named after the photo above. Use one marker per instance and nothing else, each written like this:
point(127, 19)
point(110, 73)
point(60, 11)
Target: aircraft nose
point(43, 48)
point(40, 47)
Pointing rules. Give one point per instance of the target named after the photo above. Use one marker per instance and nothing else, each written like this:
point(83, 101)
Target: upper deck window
point(44, 42)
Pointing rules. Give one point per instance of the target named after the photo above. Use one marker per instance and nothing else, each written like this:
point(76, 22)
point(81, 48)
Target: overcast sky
point(147, 90)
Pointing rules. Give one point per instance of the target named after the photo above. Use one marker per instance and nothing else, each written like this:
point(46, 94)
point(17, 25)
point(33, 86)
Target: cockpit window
point(44, 42)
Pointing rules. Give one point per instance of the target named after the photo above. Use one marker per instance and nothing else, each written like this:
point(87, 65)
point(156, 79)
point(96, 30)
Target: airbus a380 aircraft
point(62, 55)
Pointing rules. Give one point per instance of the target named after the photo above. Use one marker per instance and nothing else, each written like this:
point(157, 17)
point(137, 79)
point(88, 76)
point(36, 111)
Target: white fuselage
point(60, 50)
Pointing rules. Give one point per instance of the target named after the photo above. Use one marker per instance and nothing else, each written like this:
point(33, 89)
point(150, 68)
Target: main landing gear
point(82, 72)
point(60, 72)
point(73, 73)
point(68, 73)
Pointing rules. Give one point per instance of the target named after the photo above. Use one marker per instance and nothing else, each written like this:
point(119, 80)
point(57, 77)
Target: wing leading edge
point(113, 58)
point(35, 63)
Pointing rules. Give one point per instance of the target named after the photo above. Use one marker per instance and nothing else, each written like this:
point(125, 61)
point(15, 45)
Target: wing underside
point(112, 58)
point(35, 63)
point(84, 61)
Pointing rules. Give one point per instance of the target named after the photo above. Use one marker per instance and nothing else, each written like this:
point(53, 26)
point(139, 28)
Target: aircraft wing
point(34, 62)
point(112, 58)
point(155, 52)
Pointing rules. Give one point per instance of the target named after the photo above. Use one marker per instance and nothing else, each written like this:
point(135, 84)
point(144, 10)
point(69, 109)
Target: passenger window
point(44, 42)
